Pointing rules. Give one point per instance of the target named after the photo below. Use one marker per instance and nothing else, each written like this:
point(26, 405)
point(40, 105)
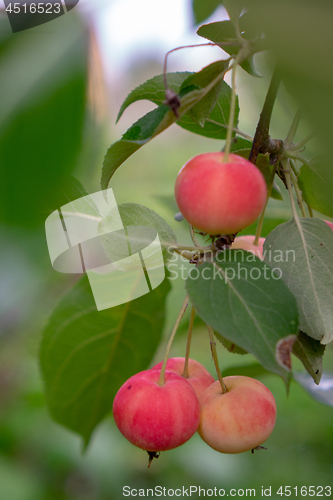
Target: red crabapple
point(217, 197)
point(198, 376)
point(239, 420)
point(246, 243)
point(154, 417)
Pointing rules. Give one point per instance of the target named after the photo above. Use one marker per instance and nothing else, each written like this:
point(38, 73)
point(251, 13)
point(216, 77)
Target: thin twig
point(161, 380)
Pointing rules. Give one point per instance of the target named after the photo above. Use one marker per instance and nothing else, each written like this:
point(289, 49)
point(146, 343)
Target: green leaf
point(205, 76)
point(216, 125)
point(86, 355)
point(42, 117)
point(154, 90)
point(117, 244)
point(219, 33)
point(254, 370)
point(224, 31)
point(248, 306)
point(71, 190)
point(310, 352)
point(316, 191)
point(263, 166)
point(142, 131)
point(135, 137)
point(299, 37)
point(117, 153)
point(238, 143)
point(203, 10)
point(304, 255)
point(230, 346)
point(200, 80)
point(234, 9)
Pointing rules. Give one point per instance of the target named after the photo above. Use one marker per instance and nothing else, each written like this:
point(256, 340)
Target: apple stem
point(188, 343)
point(262, 215)
point(194, 238)
point(232, 109)
point(161, 380)
point(216, 362)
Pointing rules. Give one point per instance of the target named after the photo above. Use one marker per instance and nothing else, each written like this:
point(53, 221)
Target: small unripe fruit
point(154, 417)
point(239, 420)
point(247, 243)
point(217, 197)
point(198, 376)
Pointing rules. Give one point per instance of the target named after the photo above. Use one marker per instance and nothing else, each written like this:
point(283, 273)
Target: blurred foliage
point(300, 37)
point(42, 116)
point(202, 10)
point(40, 145)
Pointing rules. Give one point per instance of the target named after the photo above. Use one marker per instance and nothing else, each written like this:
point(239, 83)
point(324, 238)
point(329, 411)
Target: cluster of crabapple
point(217, 195)
point(162, 417)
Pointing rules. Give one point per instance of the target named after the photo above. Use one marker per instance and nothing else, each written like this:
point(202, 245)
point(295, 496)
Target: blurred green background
point(56, 119)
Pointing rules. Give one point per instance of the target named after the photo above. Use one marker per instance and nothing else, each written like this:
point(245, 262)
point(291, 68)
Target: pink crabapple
point(238, 420)
point(246, 242)
point(198, 376)
point(153, 417)
point(217, 197)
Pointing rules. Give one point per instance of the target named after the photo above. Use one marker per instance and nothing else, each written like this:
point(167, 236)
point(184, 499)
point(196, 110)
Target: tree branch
point(262, 143)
